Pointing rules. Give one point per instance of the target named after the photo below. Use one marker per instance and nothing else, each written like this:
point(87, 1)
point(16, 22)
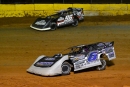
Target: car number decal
point(92, 56)
point(68, 18)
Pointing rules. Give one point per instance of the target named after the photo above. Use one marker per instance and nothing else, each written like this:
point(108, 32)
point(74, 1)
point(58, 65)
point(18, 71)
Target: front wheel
point(75, 22)
point(53, 26)
point(103, 66)
point(66, 68)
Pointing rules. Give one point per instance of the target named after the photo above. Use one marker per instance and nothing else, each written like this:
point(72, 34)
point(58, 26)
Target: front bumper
point(45, 71)
point(40, 29)
point(41, 71)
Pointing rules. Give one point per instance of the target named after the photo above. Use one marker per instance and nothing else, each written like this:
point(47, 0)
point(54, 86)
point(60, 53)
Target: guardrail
point(22, 10)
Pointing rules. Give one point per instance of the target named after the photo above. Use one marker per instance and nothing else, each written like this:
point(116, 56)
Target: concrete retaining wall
point(21, 10)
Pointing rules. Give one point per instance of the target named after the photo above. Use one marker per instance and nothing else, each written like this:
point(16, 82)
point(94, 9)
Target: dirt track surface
point(21, 45)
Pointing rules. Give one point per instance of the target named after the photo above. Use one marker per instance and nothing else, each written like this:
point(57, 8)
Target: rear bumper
point(39, 29)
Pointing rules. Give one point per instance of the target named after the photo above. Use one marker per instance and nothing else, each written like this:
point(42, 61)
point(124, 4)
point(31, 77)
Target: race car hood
point(47, 61)
point(47, 66)
point(41, 23)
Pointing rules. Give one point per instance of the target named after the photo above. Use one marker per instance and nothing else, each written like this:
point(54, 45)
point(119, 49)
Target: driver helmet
point(83, 50)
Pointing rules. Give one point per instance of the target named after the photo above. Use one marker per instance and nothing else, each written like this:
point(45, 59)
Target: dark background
point(65, 1)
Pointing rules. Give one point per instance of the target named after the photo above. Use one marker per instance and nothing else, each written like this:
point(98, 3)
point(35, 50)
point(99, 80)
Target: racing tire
point(53, 26)
point(66, 68)
point(103, 66)
point(75, 22)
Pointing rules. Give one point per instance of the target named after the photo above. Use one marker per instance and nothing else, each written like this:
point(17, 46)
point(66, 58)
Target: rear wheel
point(75, 22)
point(53, 26)
point(103, 66)
point(66, 68)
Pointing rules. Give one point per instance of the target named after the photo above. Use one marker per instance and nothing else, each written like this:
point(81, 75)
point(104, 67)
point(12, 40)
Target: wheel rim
point(65, 69)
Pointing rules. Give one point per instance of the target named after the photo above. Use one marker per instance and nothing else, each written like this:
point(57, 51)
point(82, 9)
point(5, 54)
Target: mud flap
point(110, 52)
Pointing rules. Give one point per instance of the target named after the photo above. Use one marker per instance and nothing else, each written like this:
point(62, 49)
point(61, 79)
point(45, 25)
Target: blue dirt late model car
point(71, 16)
point(77, 57)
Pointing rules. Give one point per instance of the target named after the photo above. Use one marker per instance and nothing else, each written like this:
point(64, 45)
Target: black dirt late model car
point(77, 57)
point(61, 18)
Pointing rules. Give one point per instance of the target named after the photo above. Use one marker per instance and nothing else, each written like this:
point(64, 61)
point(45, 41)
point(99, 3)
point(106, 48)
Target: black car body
point(61, 18)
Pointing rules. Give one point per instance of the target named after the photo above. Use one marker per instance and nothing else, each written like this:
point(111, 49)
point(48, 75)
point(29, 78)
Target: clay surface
point(20, 46)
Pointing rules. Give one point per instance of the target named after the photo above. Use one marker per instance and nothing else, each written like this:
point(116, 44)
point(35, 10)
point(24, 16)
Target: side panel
point(91, 60)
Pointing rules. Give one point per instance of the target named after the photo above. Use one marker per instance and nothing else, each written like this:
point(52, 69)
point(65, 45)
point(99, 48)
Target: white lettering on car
point(68, 19)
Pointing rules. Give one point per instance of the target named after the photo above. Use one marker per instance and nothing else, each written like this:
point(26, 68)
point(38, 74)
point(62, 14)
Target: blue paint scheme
point(92, 56)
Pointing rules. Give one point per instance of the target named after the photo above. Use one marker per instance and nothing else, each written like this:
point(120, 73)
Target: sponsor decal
point(44, 63)
point(42, 22)
point(111, 55)
point(85, 63)
point(77, 58)
point(49, 58)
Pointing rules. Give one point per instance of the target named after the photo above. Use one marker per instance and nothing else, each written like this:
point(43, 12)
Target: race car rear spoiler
point(109, 44)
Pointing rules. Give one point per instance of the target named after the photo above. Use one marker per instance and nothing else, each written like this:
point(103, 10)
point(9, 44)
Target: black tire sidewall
point(75, 22)
point(103, 66)
point(66, 68)
point(53, 26)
